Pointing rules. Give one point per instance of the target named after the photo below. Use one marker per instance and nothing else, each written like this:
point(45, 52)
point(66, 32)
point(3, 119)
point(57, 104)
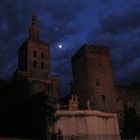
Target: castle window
point(34, 53)
point(97, 82)
point(103, 98)
point(42, 65)
point(34, 64)
point(42, 55)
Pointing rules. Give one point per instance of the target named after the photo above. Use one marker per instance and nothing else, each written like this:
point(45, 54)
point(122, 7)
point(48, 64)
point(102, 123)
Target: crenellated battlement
point(97, 50)
point(88, 49)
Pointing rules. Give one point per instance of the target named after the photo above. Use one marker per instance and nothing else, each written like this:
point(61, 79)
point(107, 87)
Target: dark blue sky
point(112, 23)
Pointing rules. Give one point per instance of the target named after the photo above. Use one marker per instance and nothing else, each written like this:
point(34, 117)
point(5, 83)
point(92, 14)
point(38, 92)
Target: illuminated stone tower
point(34, 70)
point(92, 77)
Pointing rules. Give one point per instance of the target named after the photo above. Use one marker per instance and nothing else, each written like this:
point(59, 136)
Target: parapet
point(95, 50)
point(85, 113)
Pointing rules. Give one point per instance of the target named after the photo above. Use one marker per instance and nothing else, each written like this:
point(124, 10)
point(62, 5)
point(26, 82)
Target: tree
point(135, 85)
point(35, 116)
point(131, 123)
point(28, 117)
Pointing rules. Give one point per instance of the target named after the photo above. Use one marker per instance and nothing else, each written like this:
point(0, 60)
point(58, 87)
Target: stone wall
point(87, 125)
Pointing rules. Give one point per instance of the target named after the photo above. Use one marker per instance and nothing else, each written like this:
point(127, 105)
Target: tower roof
point(34, 29)
point(95, 50)
point(33, 19)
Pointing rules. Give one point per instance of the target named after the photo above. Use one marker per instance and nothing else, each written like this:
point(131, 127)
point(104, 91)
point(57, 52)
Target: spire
point(33, 19)
point(34, 29)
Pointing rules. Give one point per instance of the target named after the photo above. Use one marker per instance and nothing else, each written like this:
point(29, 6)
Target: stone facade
point(87, 125)
point(33, 74)
point(92, 77)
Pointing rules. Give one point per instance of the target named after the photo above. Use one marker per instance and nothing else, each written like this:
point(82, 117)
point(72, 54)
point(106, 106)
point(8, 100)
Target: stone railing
point(90, 137)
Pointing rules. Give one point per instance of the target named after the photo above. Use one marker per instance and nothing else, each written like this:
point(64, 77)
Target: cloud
point(60, 32)
point(121, 32)
point(121, 22)
point(61, 63)
point(58, 23)
point(12, 29)
point(64, 11)
point(62, 21)
point(65, 52)
point(124, 56)
point(16, 19)
point(63, 67)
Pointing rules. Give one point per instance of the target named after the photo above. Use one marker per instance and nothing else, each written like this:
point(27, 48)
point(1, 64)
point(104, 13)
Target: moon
point(60, 46)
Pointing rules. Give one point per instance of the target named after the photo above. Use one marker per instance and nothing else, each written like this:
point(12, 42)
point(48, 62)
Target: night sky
point(72, 23)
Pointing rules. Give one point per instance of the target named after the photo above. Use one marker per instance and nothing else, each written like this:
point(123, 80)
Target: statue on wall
point(73, 102)
point(88, 105)
point(58, 106)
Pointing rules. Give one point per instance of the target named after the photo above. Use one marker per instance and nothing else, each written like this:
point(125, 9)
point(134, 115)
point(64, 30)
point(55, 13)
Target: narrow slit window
point(103, 98)
point(34, 64)
point(42, 55)
point(34, 53)
point(97, 82)
point(42, 65)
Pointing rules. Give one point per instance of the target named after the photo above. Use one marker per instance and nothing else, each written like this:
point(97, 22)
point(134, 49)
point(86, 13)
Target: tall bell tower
point(34, 55)
point(34, 65)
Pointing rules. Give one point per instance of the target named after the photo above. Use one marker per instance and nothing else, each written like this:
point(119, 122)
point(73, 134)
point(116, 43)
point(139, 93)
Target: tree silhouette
point(135, 85)
point(28, 117)
point(131, 123)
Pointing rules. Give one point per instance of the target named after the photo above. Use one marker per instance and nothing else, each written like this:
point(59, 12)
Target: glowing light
point(60, 46)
